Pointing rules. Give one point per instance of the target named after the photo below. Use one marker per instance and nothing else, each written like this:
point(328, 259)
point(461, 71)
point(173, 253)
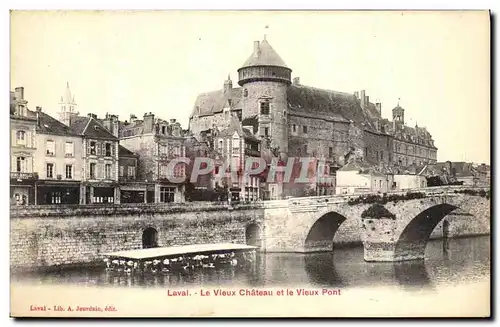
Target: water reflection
point(412, 274)
point(447, 262)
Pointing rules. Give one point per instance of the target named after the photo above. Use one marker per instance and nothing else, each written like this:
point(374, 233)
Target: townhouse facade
point(23, 175)
point(159, 144)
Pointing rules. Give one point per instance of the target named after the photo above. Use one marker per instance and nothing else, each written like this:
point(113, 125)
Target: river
point(449, 264)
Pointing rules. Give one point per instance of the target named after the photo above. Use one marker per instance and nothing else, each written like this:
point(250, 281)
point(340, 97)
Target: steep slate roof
point(265, 56)
point(235, 126)
point(90, 127)
point(123, 151)
point(49, 125)
point(311, 100)
point(214, 102)
point(462, 169)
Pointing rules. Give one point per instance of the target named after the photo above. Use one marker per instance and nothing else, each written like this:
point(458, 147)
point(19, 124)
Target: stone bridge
point(42, 236)
point(321, 223)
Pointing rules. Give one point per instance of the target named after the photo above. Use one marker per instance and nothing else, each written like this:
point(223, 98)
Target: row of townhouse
point(84, 159)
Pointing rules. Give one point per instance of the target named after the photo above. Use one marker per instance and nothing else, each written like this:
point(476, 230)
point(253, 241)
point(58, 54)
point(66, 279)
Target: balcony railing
point(23, 176)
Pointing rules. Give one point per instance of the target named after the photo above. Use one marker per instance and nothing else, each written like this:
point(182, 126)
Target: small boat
point(180, 258)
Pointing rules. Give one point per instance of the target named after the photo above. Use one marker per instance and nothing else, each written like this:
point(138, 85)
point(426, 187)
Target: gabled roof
point(124, 152)
point(235, 126)
point(49, 125)
point(265, 55)
point(90, 127)
point(214, 102)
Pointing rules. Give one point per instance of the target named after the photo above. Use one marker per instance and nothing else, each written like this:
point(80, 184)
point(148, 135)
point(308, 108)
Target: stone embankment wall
point(46, 236)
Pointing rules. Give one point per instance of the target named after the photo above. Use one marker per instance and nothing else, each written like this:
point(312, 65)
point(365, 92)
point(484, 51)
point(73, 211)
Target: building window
point(51, 148)
point(121, 171)
point(163, 149)
point(163, 129)
point(305, 148)
point(266, 131)
point(163, 171)
point(92, 170)
point(330, 152)
point(294, 128)
point(107, 171)
point(21, 137)
point(167, 194)
point(69, 171)
point(131, 171)
point(236, 147)
point(264, 108)
point(21, 164)
point(55, 197)
point(221, 146)
point(92, 147)
point(366, 152)
point(381, 155)
point(304, 129)
point(69, 149)
point(108, 150)
point(50, 170)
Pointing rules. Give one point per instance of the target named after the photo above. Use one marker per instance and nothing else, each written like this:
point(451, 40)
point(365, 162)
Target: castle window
point(264, 108)
point(304, 129)
point(245, 93)
point(294, 128)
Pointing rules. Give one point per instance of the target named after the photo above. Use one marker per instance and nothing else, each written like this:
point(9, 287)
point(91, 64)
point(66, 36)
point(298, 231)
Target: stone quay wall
point(67, 235)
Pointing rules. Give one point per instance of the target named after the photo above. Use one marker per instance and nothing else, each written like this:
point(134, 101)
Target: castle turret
point(398, 114)
point(265, 78)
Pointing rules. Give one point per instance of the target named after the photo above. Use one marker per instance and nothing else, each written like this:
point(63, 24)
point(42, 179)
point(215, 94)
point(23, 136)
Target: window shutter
point(113, 150)
point(98, 149)
point(13, 163)
point(99, 171)
point(88, 147)
point(14, 137)
point(88, 172)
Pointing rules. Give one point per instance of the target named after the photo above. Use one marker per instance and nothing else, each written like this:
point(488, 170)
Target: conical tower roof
point(264, 55)
point(67, 98)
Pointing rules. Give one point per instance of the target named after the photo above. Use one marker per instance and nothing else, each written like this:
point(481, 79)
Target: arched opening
point(320, 236)
point(413, 240)
point(149, 238)
point(252, 235)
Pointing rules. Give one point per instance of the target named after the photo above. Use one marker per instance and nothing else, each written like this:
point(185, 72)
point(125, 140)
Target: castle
point(296, 120)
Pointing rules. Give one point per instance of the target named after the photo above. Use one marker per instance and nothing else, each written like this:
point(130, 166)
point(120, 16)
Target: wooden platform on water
point(164, 252)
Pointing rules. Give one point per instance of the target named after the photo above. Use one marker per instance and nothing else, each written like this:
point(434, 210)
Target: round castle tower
point(264, 78)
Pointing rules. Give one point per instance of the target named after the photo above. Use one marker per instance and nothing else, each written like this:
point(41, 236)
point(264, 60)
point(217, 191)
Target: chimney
point(90, 115)
point(296, 81)
point(256, 48)
point(228, 84)
point(19, 93)
point(363, 99)
point(132, 118)
point(367, 100)
point(38, 109)
point(149, 121)
point(172, 121)
point(378, 105)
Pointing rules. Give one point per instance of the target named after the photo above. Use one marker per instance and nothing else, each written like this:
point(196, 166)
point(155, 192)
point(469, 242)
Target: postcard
point(250, 164)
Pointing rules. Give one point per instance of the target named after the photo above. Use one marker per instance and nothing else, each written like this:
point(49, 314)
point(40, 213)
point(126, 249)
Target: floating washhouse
point(185, 257)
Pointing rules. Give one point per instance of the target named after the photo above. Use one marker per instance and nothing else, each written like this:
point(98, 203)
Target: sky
point(132, 62)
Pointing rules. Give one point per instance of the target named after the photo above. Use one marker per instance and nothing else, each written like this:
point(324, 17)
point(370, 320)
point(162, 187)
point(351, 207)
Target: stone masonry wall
point(71, 237)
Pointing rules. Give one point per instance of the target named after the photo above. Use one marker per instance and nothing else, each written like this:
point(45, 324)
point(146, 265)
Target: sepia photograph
point(175, 163)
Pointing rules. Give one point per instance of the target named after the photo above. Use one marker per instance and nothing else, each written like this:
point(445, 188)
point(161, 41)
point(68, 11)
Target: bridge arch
point(149, 238)
point(321, 234)
point(413, 239)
